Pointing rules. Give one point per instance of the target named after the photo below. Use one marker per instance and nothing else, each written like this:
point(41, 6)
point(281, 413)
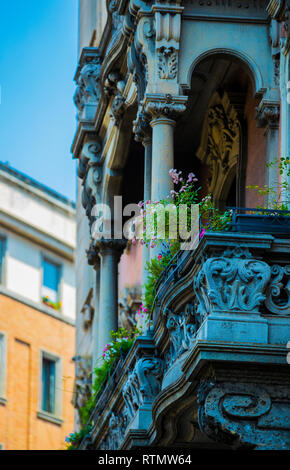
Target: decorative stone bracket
point(245, 414)
point(143, 384)
point(87, 77)
point(182, 328)
point(91, 172)
point(268, 114)
point(168, 28)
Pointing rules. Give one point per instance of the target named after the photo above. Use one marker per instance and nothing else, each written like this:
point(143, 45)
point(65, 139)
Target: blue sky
point(38, 58)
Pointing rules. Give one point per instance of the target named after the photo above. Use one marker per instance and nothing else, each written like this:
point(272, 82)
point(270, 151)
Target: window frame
point(56, 416)
point(58, 264)
point(3, 368)
point(3, 238)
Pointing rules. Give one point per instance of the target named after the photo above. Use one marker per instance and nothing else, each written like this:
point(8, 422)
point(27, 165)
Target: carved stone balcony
point(212, 372)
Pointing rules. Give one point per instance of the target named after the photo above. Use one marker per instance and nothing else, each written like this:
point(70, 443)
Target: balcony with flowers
point(206, 365)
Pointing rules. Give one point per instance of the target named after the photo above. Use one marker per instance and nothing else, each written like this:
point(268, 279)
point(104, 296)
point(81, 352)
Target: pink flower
point(190, 177)
point(202, 233)
point(159, 257)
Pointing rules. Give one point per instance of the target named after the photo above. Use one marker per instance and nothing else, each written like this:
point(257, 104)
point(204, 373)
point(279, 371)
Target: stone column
point(96, 314)
point(268, 115)
point(162, 157)
point(110, 252)
point(94, 260)
point(147, 143)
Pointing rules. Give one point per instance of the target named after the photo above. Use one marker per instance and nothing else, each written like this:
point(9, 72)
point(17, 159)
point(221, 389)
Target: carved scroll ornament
point(234, 282)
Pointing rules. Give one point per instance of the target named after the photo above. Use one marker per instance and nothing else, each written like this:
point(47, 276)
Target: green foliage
point(211, 217)
point(277, 196)
point(154, 267)
point(75, 438)
point(122, 341)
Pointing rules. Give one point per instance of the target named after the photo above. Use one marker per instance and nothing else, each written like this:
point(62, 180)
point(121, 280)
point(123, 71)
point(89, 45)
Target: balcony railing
point(212, 372)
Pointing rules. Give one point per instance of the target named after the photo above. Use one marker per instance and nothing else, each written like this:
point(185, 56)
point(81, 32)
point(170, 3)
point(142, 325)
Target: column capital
point(110, 246)
point(164, 105)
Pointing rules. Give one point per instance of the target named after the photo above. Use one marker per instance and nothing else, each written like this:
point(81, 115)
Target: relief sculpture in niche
point(220, 144)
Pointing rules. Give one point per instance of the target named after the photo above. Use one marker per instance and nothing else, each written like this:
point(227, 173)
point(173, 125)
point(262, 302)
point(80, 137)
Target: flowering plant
point(183, 198)
point(55, 305)
point(143, 319)
point(75, 438)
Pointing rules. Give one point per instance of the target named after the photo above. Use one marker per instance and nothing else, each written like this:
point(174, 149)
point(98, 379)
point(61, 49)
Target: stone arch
point(246, 61)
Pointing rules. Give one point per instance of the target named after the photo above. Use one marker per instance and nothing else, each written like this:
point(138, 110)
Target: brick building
point(37, 314)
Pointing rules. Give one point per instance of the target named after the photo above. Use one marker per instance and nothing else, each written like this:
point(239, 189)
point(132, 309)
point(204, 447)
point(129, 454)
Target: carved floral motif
point(232, 282)
point(278, 292)
point(167, 63)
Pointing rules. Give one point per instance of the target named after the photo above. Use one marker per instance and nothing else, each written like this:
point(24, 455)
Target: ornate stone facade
point(222, 310)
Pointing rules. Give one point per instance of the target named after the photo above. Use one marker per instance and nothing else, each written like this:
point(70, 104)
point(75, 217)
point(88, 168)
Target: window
point(50, 284)
point(2, 368)
point(50, 392)
point(2, 253)
point(48, 385)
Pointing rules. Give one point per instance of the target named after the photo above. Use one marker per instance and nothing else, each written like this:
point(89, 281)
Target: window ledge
point(49, 417)
point(3, 401)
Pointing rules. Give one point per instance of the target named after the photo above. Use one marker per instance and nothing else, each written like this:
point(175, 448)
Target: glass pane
point(1, 257)
point(50, 280)
point(48, 385)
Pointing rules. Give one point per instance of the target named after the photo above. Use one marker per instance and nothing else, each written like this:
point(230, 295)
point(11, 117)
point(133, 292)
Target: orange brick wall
point(27, 332)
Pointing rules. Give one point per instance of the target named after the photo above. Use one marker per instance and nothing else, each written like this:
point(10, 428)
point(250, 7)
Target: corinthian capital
point(158, 105)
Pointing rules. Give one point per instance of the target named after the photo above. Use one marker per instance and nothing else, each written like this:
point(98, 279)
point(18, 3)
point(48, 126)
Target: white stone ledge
point(37, 306)
point(49, 417)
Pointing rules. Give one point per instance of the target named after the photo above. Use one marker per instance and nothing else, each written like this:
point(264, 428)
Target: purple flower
point(202, 233)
